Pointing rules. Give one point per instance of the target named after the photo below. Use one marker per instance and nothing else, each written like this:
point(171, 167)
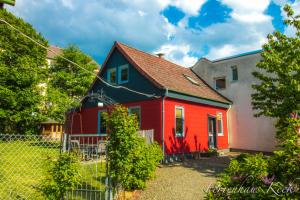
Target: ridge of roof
point(167, 74)
point(149, 54)
point(236, 56)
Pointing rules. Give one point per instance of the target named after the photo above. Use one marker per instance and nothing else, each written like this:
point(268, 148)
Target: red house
point(185, 113)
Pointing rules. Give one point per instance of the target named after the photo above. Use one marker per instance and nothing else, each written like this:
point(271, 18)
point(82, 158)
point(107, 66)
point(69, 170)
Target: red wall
point(150, 114)
point(196, 124)
point(195, 127)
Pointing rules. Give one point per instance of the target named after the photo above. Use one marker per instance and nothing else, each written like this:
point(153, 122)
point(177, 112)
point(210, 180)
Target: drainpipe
point(228, 125)
point(163, 122)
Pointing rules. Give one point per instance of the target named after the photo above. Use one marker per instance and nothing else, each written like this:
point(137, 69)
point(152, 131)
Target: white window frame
point(109, 72)
point(119, 73)
point(183, 121)
point(139, 107)
point(99, 123)
point(222, 124)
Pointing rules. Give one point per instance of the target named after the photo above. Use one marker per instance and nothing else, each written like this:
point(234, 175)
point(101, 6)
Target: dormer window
point(112, 75)
point(123, 74)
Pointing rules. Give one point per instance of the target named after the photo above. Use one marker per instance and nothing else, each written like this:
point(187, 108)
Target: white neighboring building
point(232, 77)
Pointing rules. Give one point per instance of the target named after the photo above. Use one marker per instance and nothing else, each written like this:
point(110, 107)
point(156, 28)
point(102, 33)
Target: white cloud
point(178, 54)
point(68, 3)
point(190, 7)
point(248, 10)
point(94, 25)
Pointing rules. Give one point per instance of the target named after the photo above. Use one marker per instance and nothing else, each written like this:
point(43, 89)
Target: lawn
point(23, 166)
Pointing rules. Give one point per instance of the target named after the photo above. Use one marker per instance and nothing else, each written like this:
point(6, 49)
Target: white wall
point(246, 131)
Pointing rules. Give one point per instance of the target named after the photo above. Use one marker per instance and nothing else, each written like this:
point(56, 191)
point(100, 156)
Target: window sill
point(179, 135)
point(220, 134)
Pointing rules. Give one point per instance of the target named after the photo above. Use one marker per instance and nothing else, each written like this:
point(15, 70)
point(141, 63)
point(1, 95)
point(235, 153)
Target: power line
point(70, 61)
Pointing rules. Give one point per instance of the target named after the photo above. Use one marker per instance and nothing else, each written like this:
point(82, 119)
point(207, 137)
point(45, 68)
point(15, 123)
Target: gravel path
point(184, 181)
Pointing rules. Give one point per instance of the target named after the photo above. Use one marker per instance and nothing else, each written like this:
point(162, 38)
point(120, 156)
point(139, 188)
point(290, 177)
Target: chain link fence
point(23, 165)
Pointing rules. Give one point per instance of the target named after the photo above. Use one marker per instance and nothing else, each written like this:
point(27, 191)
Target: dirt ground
point(187, 180)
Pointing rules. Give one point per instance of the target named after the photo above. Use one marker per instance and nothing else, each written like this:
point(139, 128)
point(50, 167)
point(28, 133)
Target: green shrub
point(62, 176)
point(131, 160)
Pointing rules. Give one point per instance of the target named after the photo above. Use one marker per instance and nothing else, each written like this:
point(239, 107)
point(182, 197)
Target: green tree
point(21, 72)
point(62, 176)
point(131, 160)
point(278, 94)
point(68, 83)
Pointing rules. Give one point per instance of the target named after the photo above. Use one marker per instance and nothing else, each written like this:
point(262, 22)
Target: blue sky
point(185, 30)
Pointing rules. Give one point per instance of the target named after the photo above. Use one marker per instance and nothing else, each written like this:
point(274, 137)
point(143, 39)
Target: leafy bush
point(131, 160)
point(62, 176)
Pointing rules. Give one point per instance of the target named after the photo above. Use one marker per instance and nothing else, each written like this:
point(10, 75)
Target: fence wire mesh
point(91, 149)
point(23, 164)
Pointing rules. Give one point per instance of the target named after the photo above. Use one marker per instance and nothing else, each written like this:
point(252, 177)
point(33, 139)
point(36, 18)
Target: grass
point(23, 167)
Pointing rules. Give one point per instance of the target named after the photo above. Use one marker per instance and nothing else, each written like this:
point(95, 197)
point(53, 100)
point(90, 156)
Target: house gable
point(136, 81)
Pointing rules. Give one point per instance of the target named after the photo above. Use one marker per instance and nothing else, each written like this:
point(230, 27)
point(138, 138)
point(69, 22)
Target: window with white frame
point(123, 74)
point(112, 75)
point(102, 128)
point(136, 110)
point(220, 124)
point(179, 121)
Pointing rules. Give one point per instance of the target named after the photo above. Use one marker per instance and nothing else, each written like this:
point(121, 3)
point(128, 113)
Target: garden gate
point(94, 168)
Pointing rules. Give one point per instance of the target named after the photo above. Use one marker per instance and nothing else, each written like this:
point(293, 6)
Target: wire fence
point(23, 165)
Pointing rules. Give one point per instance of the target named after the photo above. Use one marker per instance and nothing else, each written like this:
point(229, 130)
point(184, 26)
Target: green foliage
point(63, 175)
point(278, 94)
point(132, 161)
point(20, 75)
point(68, 83)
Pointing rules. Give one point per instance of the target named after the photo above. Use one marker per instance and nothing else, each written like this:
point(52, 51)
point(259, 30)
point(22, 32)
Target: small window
point(179, 121)
point(136, 111)
point(123, 74)
point(220, 83)
point(234, 73)
point(101, 122)
point(112, 75)
point(191, 79)
point(219, 124)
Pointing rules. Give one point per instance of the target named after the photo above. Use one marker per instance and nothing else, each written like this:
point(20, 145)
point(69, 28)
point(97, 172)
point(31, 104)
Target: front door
point(212, 139)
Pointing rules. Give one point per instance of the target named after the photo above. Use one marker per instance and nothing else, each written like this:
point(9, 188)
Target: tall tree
point(68, 83)
point(278, 94)
point(21, 72)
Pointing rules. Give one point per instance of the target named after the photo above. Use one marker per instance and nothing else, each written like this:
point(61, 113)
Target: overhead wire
point(70, 61)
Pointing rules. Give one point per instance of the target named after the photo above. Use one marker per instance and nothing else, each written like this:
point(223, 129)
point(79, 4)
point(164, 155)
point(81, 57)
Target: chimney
point(160, 55)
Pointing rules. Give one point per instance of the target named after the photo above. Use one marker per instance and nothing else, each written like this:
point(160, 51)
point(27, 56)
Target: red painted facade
point(195, 123)
point(195, 127)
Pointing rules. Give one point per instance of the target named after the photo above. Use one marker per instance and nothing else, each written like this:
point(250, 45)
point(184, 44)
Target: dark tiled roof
point(166, 74)
point(54, 52)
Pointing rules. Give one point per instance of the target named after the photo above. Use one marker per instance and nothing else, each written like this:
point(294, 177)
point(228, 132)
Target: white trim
point(183, 121)
point(222, 124)
point(126, 66)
